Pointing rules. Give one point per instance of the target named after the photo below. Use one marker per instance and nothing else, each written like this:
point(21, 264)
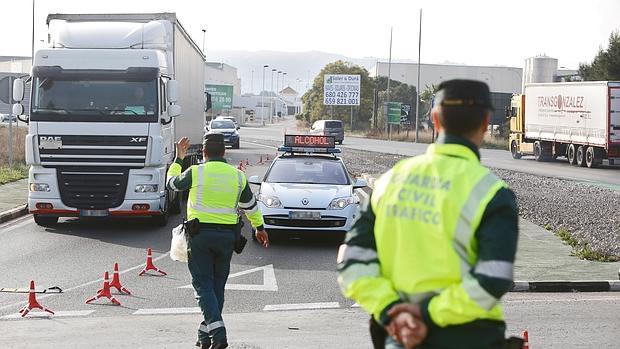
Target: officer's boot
point(219, 345)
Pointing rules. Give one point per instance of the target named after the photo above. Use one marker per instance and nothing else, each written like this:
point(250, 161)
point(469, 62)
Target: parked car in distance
point(333, 128)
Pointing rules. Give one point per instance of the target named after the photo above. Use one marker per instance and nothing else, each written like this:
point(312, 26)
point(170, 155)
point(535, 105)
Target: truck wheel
point(581, 156)
point(45, 221)
point(513, 150)
point(161, 220)
point(594, 157)
point(539, 154)
point(571, 154)
point(175, 204)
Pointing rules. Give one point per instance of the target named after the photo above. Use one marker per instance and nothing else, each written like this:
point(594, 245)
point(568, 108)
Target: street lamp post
point(278, 87)
point(262, 99)
point(271, 97)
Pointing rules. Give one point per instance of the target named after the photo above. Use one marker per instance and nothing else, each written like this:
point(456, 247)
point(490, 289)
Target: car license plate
point(94, 213)
point(312, 215)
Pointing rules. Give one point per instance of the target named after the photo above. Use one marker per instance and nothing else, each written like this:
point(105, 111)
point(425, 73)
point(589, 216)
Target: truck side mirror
point(174, 110)
point(18, 109)
point(18, 90)
point(172, 91)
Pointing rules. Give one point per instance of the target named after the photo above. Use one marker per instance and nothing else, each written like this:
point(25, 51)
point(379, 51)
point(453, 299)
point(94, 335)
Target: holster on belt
point(192, 227)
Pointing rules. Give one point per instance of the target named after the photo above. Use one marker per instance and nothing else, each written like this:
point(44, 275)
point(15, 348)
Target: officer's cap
point(466, 93)
point(213, 140)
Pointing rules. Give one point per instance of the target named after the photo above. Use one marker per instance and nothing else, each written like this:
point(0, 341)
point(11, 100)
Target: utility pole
point(32, 44)
point(204, 35)
point(417, 89)
point(252, 83)
point(271, 97)
point(388, 127)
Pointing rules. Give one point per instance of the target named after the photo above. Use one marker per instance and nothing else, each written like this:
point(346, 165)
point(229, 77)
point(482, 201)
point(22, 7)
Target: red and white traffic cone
point(116, 281)
point(104, 292)
point(150, 265)
point(32, 302)
point(526, 340)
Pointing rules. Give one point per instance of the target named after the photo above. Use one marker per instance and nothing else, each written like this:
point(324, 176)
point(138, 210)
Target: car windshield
point(217, 124)
point(308, 170)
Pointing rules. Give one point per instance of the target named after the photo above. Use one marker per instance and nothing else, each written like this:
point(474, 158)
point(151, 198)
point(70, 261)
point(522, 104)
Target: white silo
point(539, 69)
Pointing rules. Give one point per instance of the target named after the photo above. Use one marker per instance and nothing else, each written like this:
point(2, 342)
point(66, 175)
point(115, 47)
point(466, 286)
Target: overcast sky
point(473, 32)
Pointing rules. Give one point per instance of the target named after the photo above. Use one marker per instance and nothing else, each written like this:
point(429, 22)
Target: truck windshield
point(116, 100)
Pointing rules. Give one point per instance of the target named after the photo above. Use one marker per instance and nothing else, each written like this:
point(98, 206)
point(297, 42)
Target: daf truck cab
point(105, 104)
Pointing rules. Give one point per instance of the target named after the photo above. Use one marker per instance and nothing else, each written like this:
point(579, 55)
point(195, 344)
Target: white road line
point(161, 311)
point(269, 280)
point(561, 300)
point(40, 314)
point(355, 306)
point(85, 284)
point(260, 145)
point(302, 306)
point(15, 225)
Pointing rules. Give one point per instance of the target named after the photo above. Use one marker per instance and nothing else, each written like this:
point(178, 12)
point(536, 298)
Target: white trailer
point(105, 112)
point(579, 120)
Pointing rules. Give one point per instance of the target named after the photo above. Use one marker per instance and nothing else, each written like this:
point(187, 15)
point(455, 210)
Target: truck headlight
point(146, 188)
point(39, 187)
point(270, 201)
point(341, 203)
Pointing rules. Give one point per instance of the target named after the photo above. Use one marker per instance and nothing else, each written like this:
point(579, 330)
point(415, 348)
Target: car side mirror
point(254, 180)
point(359, 184)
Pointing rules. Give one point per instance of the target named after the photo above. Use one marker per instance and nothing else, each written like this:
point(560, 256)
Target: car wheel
point(236, 145)
point(45, 221)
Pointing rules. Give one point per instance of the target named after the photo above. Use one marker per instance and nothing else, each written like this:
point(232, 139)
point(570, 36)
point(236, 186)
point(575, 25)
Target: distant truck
point(578, 120)
point(105, 112)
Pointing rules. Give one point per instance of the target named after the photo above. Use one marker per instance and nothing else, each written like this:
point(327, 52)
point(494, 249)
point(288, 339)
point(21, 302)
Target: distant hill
point(298, 65)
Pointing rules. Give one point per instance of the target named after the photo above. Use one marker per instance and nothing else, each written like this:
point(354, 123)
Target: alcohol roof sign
point(341, 89)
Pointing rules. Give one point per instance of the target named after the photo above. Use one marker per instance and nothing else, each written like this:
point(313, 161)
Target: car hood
point(318, 196)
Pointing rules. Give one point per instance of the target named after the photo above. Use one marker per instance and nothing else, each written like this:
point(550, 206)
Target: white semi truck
point(105, 111)
point(578, 120)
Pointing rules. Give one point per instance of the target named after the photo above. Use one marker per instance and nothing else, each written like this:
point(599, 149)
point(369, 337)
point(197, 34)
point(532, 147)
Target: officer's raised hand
point(262, 237)
point(182, 146)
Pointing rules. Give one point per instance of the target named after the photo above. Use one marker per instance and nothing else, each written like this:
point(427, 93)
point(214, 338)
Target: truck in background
point(578, 120)
point(105, 111)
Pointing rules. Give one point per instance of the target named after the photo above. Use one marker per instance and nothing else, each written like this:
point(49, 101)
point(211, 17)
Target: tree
point(313, 98)
point(606, 64)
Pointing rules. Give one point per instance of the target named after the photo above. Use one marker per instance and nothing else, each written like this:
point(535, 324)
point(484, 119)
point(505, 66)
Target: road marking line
point(561, 300)
point(269, 280)
point(355, 306)
point(14, 225)
point(76, 313)
point(260, 145)
point(162, 311)
point(302, 306)
point(86, 283)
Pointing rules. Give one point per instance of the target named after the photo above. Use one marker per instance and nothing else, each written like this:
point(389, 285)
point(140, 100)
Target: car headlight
point(146, 188)
point(270, 201)
point(39, 187)
point(341, 203)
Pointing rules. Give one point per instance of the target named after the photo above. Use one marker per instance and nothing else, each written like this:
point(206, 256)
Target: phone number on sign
point(341, 101)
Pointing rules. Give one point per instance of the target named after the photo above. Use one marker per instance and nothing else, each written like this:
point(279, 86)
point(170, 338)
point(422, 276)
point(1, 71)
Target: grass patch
point(11, 174)
point(548, 227)
point(582, 251)
point(17, 143)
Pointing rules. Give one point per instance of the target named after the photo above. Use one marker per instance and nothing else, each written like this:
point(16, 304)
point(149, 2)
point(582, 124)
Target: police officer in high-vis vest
point(433, 250)
point(216, 191)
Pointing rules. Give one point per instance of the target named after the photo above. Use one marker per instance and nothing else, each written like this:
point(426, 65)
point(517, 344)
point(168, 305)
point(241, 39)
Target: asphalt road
point(292, 282)
point(608, 176)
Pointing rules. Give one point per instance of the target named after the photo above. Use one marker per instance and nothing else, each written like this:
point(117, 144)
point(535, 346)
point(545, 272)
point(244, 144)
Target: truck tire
point(175, 204)
point(539, 152)
point(580, 156)
point(571, 154)
point(594, 157)
point(161, 220)
point(513, 150)
point(45, 221)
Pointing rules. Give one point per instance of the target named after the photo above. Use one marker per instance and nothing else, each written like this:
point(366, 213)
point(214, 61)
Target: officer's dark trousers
point(209, 264)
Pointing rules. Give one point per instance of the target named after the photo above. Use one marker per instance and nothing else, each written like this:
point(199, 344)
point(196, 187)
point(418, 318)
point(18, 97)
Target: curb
point(566, 286)
point(14, 213)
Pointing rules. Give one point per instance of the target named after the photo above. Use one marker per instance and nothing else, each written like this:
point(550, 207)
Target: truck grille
point(121, 151)
point(92, 189)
